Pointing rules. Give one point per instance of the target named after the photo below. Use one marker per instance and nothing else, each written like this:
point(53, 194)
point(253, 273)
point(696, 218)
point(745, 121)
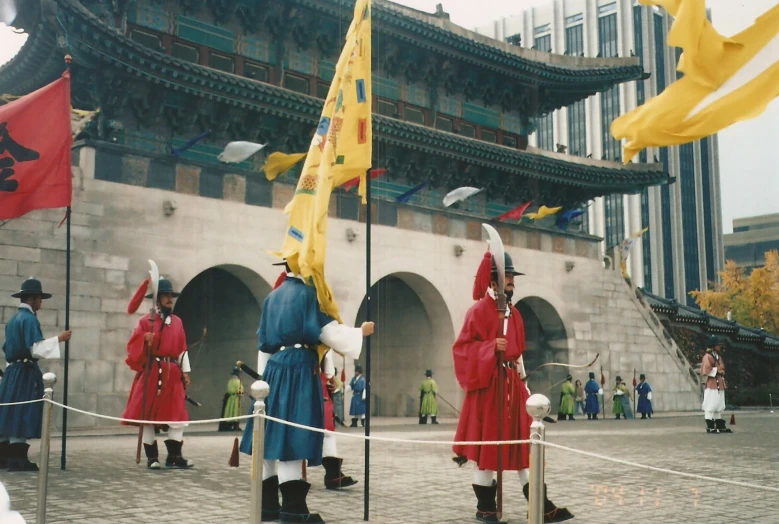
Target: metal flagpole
point(366, 485)
point(63, 458)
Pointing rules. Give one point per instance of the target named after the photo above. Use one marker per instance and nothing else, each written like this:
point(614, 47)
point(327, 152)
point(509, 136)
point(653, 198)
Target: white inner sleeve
point(713, 372)
point(329, 366)
point(49, 348)
point(345, 340)
point(262, 360)
point(185, 367)
point(521, 368)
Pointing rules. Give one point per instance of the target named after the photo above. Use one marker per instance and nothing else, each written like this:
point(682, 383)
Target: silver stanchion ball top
point(49, 379)
point(260, 389)
point(538, 406)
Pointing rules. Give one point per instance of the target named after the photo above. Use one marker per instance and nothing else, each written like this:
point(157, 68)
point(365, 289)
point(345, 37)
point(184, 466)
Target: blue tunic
point(291, 315)
point(23, 381)
point(644, 404)
point(357, 407)
point(591, 389)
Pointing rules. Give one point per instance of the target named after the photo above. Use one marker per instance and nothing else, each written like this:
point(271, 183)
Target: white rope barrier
point(21, 403)
point(393, 440)
point(660, 470)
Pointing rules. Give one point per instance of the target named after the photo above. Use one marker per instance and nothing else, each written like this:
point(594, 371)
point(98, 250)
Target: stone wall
point(118, 226)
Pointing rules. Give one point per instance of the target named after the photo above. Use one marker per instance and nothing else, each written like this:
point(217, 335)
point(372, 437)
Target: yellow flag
point(726, 80)
point(543, 212)
point(340, 151)
point(277, 163)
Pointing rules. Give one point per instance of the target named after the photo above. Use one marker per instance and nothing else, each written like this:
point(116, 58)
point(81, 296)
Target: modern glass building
point(682, 250)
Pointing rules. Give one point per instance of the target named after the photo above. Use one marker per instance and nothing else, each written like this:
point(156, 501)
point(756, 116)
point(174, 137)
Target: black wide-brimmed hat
point(31, 286)
point(358, 368)
point(236, 371)
point(713, 341)
point(428, 372)
point(165, 287)
point(509, 265)
point(642, 376)
point(618, 379)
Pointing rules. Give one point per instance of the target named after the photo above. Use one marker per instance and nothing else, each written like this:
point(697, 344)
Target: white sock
point(176, 433)
point(524, 476)
point(482, 477)
point(270, 468)
point(148, 435)
point(328, 446)
point(291, 470)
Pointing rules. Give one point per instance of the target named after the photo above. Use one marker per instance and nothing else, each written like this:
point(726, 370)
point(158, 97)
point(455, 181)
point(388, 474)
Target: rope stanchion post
point(260, 392)
point(538, 406)
point(43, 475)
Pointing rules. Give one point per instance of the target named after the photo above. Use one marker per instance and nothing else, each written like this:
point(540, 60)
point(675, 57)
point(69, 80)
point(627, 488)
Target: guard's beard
point(509, 294)
point(165, 312)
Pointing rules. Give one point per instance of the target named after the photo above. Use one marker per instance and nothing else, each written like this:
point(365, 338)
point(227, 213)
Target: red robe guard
point(476, 369)
point(167, 350)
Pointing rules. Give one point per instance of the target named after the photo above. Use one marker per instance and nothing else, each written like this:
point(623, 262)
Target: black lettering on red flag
point(18, 153)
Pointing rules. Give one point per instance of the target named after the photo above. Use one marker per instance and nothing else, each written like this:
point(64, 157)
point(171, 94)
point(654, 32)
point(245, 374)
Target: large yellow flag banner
point(726, 80)
point(340, 151)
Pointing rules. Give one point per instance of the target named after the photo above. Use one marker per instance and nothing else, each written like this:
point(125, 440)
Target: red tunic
point(329, 423)
point(169, 404)
point(476, 368)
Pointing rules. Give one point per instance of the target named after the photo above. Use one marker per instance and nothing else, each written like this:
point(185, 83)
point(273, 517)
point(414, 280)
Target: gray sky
point(749, 151)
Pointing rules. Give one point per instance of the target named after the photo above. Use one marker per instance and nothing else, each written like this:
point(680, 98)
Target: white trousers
point(484, 477)
point(175, 432)
point(287, 471)
point(713, 402)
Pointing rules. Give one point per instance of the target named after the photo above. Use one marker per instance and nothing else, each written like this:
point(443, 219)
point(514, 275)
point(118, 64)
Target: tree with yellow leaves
point(753, 300)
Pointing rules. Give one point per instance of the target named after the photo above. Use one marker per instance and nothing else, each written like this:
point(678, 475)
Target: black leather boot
point(175, 460)
point(433, 420)
point(152, 455)
point(552, 513)
point(362, 422)
point(720, 425)
point(617, 417)
point(17, 458)
point(293, 503)
point(486, 508)
point(334, 477)
point(354, 423)
point(270, 499)
point(4, 454)
point(570, 417)
point(589, 416)
point(710, 427)
point(561, 416)
point(422, 419)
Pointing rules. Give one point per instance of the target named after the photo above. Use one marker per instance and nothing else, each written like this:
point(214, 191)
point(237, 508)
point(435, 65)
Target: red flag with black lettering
point(35, 142)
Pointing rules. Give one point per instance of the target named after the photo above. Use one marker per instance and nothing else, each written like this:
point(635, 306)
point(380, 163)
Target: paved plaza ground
point(420, 484)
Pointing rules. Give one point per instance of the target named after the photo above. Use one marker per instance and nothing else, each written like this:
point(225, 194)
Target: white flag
point(460, 194)
point(237, 152)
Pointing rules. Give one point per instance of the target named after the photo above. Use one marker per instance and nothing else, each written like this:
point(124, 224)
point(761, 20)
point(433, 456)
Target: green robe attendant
point(616, 403)
point(233, 402)
point(566, 402)
point(429, 404)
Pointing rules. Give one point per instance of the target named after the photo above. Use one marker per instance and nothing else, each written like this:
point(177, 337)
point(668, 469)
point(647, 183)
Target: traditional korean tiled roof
point(446, 38)
point(689, 315)
point(97, 42)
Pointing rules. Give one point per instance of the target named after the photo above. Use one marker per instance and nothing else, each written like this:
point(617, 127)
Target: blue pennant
point(178, 150)
point(405, 197)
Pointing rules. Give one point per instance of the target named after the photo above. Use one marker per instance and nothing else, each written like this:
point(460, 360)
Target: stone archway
point(227, 301)
point(414, 332)
point(546, 341)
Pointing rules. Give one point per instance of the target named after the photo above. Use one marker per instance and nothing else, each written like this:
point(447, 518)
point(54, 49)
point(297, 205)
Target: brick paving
point(420, 484)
